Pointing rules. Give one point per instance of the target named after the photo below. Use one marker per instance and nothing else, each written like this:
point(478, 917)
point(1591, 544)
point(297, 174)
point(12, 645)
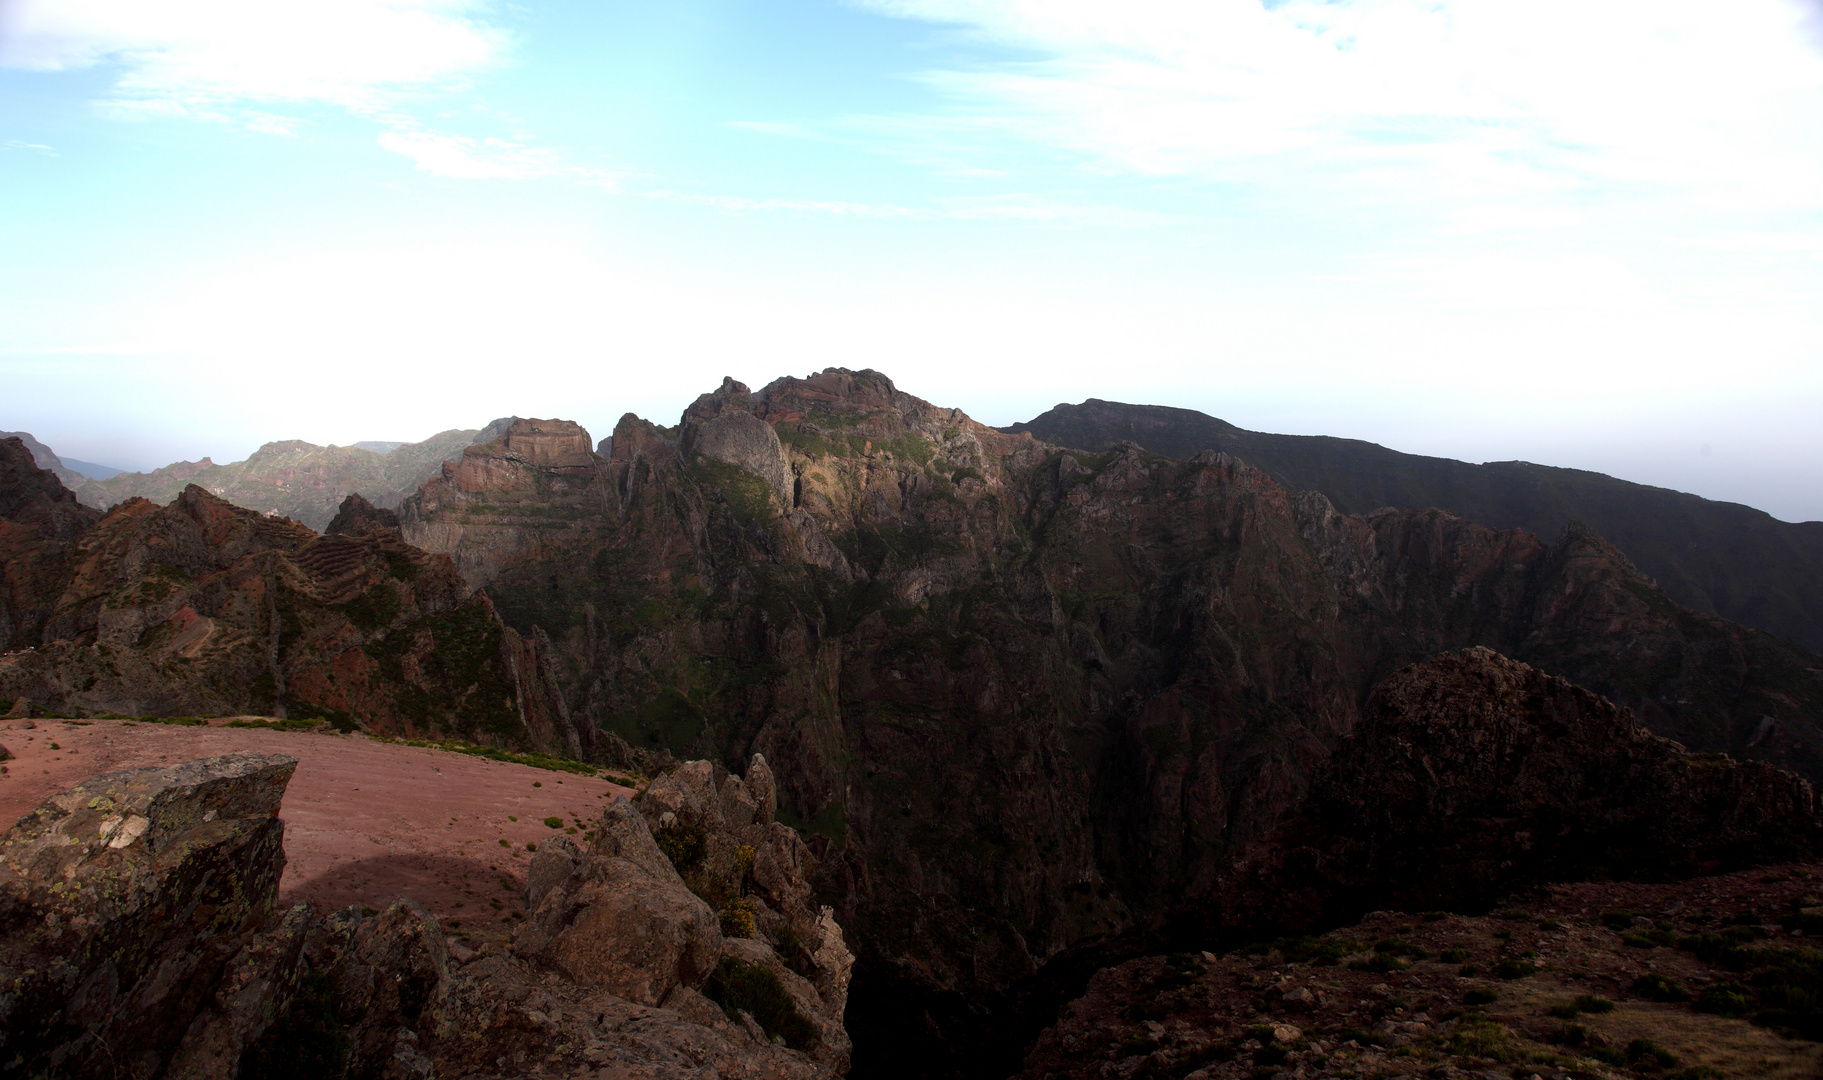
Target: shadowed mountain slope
point(1718, 557)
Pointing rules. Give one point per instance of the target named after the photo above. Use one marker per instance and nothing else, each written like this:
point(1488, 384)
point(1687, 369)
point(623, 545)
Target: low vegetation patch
point(750, 988)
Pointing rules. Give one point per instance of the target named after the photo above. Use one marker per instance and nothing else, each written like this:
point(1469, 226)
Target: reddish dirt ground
point(365, 821)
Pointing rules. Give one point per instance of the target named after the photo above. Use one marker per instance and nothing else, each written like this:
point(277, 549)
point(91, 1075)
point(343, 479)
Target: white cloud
point(213, 58)
point(464, 158)
point(1475, 99)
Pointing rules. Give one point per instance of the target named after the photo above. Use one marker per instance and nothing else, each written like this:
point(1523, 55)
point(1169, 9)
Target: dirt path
point(365, 821)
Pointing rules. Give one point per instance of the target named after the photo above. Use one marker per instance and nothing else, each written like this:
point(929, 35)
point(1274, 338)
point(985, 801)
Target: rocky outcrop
point(205, 607)
point(769, 906)
point(636, 920)
point(356, 515)
point(122, 902)
point(1473, 776)
point(535, 493)
point(618, 916)
point(721, 426)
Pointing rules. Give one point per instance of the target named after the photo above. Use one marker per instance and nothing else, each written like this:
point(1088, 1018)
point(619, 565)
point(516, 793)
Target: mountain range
point(1036, 707)
point(295, 479)
point(1719, 557)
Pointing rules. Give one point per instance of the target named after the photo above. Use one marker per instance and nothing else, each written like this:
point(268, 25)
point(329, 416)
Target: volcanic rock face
point(1475, 775)
point(120, 902)
point(1031, 697)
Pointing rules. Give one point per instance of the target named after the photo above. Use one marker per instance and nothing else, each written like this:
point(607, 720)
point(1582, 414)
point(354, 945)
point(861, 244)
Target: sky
point(1584, 234)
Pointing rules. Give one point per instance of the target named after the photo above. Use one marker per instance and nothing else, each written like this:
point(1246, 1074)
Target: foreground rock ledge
point(139, 940)
point(120, 901)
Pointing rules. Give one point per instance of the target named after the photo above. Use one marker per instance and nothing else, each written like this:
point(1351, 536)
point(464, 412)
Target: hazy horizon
point(1583, 237)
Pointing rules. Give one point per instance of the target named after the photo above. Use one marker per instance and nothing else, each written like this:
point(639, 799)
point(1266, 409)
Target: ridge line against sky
point(1585, 235)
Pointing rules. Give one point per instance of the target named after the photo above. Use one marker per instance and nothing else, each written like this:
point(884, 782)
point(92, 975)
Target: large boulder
point(722, 427)
point(618, 916)
point(122, 901)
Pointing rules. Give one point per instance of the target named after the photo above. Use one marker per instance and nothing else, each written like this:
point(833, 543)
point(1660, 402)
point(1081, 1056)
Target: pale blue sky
point(1585, 234)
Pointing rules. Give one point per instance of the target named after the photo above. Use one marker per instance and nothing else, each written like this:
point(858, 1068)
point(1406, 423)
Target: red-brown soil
point(366, 821)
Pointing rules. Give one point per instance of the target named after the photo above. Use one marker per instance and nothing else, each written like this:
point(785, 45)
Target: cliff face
point(205, 607)
point(532, 494)
point(1025, 697)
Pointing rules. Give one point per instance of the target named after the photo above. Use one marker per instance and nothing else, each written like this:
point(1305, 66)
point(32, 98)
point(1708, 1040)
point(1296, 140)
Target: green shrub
point(1655, 987)
point(1453, 956)
point(1315, 951)
point(1515, 969)
point(1481, 995)
point(737, 918)
point(684, 844)
point(1618, 920)
point(1477, 1036)
point(1379, 962)
point(1699, 1072)
point(554, 822)
point(1647, 1052)
point(1570, 1035)
point(1590, 1003)
point(1727, 998)
point(753, 989)
point(1399, 947)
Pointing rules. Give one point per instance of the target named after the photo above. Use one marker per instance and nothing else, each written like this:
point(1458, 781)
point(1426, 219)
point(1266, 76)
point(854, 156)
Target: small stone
point(1287, 1033)
point(1300, 996)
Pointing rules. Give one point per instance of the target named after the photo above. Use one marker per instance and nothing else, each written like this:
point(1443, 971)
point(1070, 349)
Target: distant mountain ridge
point(292, 478)
point(1716, 557)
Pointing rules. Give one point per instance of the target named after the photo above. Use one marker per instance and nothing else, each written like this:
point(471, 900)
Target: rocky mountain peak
point(555, 443)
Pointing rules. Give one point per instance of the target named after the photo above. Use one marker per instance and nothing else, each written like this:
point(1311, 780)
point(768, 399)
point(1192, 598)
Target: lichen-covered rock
point(122, 899)
point(621, 919)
